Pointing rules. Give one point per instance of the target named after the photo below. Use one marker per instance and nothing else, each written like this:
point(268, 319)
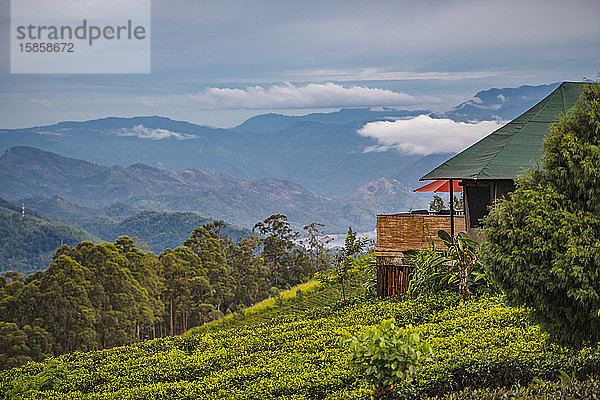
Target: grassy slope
point(315, 295)
point(291, 350)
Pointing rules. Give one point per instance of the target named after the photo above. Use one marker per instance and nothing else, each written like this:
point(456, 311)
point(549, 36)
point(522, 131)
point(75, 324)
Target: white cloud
point(380, 74)
point(289, 96)
point(142, 132)
point(425, 135)
point(50, 133)
point(501, 97)
point(42, 102)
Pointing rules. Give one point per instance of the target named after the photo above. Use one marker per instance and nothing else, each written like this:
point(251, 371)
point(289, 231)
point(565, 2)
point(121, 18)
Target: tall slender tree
point(65, 306)
point(209, 246)
point(315, 241)
point(277, 243)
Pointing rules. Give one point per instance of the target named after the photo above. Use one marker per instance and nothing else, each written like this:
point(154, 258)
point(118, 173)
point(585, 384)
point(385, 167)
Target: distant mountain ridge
point(273, 123)
point(29, 173)
point(499, 104)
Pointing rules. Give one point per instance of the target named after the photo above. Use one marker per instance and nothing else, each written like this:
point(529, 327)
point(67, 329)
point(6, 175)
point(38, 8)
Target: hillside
point(298, 355)
point(158, 230)
point(27, 244)
point(27, 172)
point(161, 230)
point(94, 220)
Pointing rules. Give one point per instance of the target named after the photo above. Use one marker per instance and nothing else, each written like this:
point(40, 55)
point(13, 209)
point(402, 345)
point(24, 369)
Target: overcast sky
point(219, 62)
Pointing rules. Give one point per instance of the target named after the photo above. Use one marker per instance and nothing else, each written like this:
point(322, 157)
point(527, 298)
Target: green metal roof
point(508, 151)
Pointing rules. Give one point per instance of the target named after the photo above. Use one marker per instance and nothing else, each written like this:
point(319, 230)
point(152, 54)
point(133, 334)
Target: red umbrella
point(441, 185)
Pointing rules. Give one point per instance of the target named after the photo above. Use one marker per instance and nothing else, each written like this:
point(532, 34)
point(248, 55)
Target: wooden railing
point(397, 233)
point(401, 232)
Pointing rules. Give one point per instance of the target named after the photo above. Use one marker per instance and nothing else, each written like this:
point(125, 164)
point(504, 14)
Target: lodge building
point(487, 171)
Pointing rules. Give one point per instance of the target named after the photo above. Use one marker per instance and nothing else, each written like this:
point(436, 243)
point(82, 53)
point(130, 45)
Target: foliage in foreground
point(455, 267)
point(479, 344)
point(387, 354)
point(543, 243)
point(588, 389)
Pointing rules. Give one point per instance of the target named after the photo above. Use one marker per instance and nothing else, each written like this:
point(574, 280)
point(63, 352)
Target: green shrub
point(543, 243)
point(457, 267)
point(429, 272)
point(540, 390)
point(387, 354)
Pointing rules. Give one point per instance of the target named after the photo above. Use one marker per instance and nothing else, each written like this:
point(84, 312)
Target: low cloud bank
point(142, 132)
point(425, 135)
point(290, 96)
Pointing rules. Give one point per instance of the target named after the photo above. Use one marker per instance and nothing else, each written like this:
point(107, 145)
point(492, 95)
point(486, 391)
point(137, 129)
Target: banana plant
point(462, 254)
point(456, 266)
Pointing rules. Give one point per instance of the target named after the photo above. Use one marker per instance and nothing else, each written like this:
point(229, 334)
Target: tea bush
point(541, 390)
point(479, 344)
point(388, 354)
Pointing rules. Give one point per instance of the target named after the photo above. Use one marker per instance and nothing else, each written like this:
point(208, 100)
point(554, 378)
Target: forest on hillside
point(95, 296)
point(28, 242)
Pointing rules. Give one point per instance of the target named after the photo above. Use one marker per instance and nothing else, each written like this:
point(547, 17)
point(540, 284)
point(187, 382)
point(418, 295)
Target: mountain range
point(323, 156)
point(313, 167)
point(320, 151)
point(27, 174)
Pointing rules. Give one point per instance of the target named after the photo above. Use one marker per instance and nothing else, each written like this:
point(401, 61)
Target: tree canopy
point(543, 242)
point(104, 295)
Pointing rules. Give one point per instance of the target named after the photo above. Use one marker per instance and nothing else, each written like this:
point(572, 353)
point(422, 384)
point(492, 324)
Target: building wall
point(397, 233)
point(401, 232)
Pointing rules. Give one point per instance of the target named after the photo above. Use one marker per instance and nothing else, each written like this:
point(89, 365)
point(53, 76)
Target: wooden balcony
point(406, 231)
point(397, 233)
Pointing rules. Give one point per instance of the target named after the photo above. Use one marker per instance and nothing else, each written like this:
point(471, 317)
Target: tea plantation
point(296, 353)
